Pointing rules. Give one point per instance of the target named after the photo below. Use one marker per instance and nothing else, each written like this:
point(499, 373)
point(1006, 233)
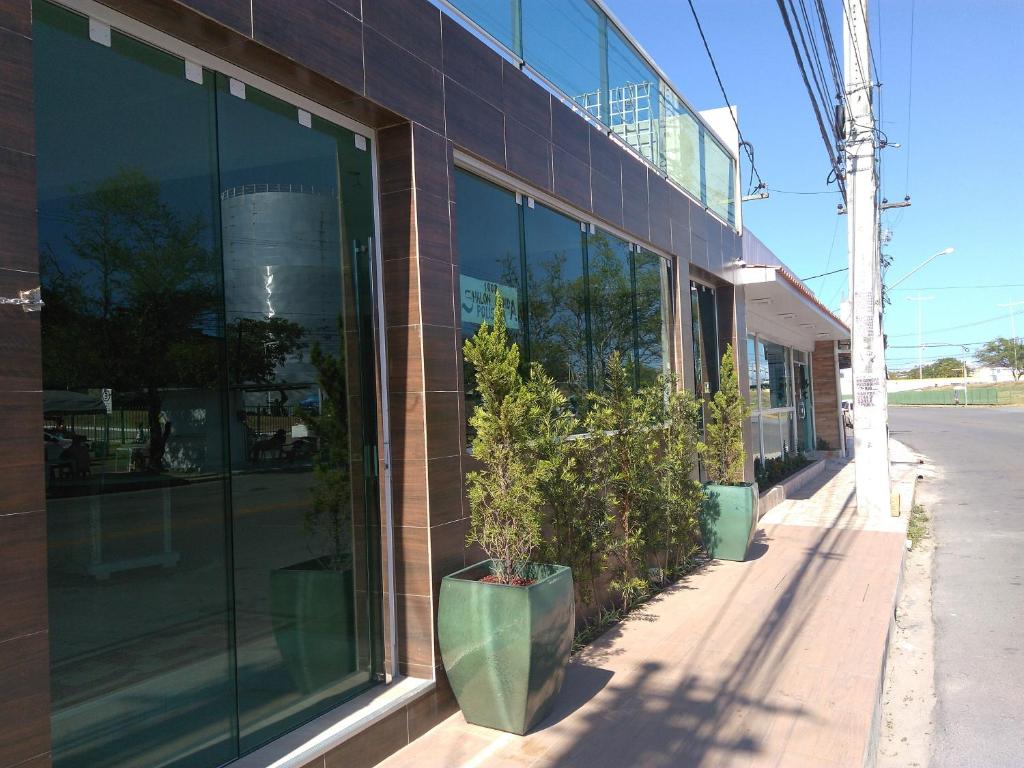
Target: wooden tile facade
point(429, 87)
point(825, 386)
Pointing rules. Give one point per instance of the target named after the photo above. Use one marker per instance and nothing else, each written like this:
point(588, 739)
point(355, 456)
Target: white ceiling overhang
point(780, 307)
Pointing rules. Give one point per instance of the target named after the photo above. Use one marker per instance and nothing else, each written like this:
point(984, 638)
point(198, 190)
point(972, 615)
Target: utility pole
point(920, 349)
point(1013, 327)
point(870, 411)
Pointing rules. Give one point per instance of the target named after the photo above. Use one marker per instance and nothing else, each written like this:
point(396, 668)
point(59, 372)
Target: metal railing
point(582, 53)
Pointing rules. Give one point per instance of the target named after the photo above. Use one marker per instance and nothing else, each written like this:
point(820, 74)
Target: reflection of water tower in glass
point(282, 259)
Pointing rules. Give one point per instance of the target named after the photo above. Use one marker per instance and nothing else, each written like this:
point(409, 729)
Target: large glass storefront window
point(653, 331)
point(704, 325)
point(780, 399)
point(577, 298)
point(556, 285)
point(208, 377)
point(611, 303)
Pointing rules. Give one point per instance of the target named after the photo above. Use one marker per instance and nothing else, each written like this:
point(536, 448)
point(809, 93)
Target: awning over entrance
point(780, 305)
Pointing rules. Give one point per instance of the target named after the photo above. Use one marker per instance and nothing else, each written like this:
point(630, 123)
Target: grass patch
point(917, 528)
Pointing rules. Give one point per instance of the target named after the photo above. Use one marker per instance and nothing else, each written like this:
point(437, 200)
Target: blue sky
point(960, 142)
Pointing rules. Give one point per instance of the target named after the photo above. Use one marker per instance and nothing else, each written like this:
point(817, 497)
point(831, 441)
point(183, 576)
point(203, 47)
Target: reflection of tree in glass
point(611, 307)
point(330, 516)
point(650, 337)
point(142, 313)
point(558, 325)
point(257, 347)
point(133, 319)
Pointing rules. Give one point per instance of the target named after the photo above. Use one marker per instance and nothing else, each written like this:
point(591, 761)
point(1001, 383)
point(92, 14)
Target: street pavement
point(977, 508)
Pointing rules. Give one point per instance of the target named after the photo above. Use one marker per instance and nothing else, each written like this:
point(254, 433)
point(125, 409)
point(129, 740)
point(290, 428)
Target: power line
point(910, 96)
point(789, 192)
point(836, 167)
point(823, 274)
point(728, 103)
point(961, 287)
point(958, 327)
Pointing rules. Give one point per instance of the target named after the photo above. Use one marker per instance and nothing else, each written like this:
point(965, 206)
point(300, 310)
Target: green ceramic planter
point(313, 611)
point(505, 648)
point(729, 519)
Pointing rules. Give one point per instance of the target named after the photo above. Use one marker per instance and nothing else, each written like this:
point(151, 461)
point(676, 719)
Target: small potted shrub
point(313, 602)
point(729, 515)
point(505, 625)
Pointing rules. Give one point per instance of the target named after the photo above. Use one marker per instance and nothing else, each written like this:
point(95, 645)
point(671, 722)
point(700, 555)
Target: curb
point(871, 749)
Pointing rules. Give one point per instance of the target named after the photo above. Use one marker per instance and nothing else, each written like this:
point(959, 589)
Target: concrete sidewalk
point(776, 661)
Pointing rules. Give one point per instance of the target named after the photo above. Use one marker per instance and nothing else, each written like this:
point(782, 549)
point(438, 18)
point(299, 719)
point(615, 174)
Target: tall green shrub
point(722, 448)
point(580, 516)
point(624, 429)
point(680, 492)
point(512, 425)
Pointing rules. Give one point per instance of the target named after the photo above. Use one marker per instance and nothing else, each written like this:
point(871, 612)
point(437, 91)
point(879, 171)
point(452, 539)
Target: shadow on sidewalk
point(650, 719)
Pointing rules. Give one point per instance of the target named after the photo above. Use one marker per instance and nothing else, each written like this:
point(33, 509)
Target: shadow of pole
point(649, 721)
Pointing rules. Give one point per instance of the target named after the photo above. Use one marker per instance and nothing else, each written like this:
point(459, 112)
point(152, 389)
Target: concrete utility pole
point(920, 349)
point(870, 409)
point(1013, 327)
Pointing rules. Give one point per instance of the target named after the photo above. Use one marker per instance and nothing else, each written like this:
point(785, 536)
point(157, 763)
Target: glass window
point(489, 247)
point(566, 42)
point(718, 173)
point(772, 426)
point(652, 316)
point(556, 286)
point(633, 103)
point(489, 253)
point(709, 333)
point(704, 323)
point(497, 17)
point(680, 143)
point(752, 373)
point(206, 273)
point(140, 625)
point(764, 395)
point(296, 233)
point(755, 438)
point(777, 384)
point(611, 302)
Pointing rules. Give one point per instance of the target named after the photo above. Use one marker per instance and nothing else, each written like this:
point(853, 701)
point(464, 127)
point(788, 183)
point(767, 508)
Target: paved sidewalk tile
point(772, 662)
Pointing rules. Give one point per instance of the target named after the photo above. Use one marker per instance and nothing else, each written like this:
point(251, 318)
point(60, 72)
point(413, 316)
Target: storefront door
point(210, 411)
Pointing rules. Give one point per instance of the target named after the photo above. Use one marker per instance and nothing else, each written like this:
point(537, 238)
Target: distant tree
point(1003, 353)
point(944, 368)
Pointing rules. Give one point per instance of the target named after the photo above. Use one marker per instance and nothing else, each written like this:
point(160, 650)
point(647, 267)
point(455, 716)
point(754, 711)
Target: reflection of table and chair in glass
point(70, 461)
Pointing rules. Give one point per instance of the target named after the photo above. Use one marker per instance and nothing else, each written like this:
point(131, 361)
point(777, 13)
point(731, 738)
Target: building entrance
point(210, 404)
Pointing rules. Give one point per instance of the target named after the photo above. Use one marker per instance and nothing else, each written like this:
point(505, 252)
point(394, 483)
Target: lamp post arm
point(919, 266)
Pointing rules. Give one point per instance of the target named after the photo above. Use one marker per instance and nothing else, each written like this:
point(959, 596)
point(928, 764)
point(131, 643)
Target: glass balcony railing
point(579, 50)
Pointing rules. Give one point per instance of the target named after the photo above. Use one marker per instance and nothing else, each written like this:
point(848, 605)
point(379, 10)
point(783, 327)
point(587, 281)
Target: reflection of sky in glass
point(495, 16)
point(488, 240)
point(562, 41)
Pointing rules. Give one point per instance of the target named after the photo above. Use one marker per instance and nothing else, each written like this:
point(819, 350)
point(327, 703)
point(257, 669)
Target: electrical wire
point(910, 95)
point(833, 157)
point(791, 192)
point(958, 327)
point(824, 274)
point(743, 143)
point(961, 287)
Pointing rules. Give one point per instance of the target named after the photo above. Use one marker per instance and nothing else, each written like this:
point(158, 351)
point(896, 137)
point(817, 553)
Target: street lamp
point(943, 252)
point(1013, 328)
point(920, 349)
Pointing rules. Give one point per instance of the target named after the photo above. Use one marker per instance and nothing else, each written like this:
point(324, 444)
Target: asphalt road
point(977, 509)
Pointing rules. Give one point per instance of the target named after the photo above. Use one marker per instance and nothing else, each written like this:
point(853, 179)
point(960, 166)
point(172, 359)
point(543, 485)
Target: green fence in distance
point(974, 396)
